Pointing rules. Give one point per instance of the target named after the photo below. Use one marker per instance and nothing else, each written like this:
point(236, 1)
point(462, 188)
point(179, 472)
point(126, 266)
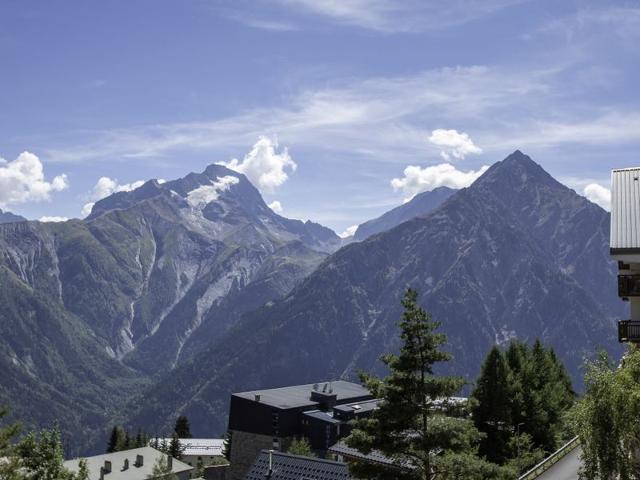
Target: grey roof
point(294, 467)
point(300, 395)
point(625, 209)
point(149, 454)
point(374, 456)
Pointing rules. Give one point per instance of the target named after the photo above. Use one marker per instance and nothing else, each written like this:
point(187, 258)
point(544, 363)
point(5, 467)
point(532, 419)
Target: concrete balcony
point(629, 330)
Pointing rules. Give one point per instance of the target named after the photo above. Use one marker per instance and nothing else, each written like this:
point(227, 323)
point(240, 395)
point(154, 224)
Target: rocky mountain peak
point(517, 172)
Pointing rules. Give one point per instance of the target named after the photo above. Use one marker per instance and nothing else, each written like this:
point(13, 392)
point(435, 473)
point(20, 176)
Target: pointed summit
point(516, 173)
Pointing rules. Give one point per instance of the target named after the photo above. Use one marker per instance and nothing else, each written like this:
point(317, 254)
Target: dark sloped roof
point(295, 467)
point(374, 456)
point(300, 395)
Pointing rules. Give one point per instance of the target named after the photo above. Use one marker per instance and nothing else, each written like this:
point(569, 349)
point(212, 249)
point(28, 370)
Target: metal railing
point(628, 330)
point(551, 460)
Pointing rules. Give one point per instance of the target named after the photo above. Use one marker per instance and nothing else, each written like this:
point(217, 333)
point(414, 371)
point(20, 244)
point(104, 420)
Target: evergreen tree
point(113, 440)
point(41, 458)
point(175, 448)
point(492, 411)
point(408, 427)
point(182, 427)
point(301, 447)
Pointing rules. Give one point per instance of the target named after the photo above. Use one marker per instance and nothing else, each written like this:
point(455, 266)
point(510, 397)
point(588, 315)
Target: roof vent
point(107, 466)
point(139, 461)
point(126, 464)
point(170, 462)
point(257, 397)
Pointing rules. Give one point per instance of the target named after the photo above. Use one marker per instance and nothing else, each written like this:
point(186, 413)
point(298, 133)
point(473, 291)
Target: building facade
point(271, 419)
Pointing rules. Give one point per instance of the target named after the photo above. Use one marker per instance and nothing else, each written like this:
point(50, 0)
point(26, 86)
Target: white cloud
point(276, 206)
point(263, 166)
point(453, 144)
point(349, 231)
point(52, 219)
point(86, 209)
point(205, 194)
point(417, 179)
point(388, 16)
point(599, 195)
point(22, 180)
point(106, 186)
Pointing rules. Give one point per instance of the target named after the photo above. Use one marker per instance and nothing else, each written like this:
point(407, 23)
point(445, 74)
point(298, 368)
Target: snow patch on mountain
point(206, 194)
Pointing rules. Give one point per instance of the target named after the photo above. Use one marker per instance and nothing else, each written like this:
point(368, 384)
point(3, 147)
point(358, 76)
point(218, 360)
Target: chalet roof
point(625, 210)
point(300, 395)
point(150, 456)
point(294, 467)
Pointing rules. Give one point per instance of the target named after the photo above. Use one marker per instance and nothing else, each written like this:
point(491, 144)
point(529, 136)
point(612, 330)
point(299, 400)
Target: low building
point(270, 419)
point(625, 246)
point(134, 464)
point(283, 466)
point(207, 451)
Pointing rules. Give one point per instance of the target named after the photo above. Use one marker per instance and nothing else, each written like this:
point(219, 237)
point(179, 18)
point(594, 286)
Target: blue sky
point(322, 103)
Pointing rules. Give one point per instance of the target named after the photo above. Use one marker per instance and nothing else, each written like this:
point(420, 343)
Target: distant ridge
point(8, 217)
point(420, 205)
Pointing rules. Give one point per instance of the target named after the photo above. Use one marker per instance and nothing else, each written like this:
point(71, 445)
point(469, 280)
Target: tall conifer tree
point(409, 427)
point(492, 412)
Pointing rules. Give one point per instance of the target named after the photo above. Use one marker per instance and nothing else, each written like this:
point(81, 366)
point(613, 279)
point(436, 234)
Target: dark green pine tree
point(175, 449)
point(409, 427)
point(492, 410)
point(115, 439)
point(182, 427)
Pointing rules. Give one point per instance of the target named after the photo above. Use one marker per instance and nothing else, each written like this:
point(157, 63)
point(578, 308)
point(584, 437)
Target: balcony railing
point(629, 330)
point(629, 285)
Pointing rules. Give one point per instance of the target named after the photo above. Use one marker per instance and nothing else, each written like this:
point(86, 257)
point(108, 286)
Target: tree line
point(514, 417)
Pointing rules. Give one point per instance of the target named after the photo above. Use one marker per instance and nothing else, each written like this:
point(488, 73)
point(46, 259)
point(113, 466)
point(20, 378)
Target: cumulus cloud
point(453, 144)
point(348, 232)
point(598, 194)
point(205, 194)
point(263, 166)
point(52, 219)
point(417, 179)
point(22, 180)
point(276, 206)
point(106, 186)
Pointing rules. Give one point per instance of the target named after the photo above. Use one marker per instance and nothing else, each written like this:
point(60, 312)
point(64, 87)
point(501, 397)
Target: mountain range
point(516, 255)
point(167, 298)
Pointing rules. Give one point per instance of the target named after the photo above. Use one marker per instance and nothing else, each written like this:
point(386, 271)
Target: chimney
point(270, 471)
point(107, 466)
point(257, 397)
point(139, 461)
point(170, 462)
point(101, 473)
point(126, 464)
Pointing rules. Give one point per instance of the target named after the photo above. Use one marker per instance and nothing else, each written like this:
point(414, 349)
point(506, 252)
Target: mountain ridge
point(461, 258)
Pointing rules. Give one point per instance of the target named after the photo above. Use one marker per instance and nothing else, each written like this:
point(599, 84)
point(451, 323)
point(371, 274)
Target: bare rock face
point(149, 279)
point(516, 255)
